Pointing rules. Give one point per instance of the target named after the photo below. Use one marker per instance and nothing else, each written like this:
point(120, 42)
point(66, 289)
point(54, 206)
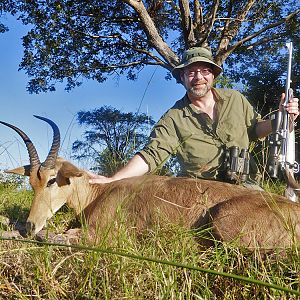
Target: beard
point(200, 92)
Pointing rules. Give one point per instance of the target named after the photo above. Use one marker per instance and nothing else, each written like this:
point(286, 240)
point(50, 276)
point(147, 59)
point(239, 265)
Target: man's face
point(197, 78)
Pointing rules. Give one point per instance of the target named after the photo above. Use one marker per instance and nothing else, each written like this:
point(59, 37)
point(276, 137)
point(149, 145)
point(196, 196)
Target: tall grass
point(35, 271)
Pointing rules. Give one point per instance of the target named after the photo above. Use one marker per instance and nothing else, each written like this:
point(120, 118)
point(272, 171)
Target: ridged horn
point(49, 162)
point(33, 155)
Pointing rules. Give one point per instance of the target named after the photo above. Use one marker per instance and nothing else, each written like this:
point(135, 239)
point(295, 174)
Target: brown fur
point(252, 218)
point(235, 212)
point(268, 222)
point(144, 199)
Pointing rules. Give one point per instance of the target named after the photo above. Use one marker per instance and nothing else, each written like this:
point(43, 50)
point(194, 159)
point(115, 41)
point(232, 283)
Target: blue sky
point(18, 106)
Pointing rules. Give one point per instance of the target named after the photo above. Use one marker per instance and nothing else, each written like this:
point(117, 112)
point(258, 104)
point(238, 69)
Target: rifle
point(282, 141)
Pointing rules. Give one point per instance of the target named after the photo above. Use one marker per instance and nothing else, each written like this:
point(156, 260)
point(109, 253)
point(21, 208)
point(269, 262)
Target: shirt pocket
point(233, 134)
point(199, 150)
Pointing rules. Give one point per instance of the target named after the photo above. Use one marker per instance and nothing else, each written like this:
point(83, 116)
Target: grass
point(35, 271)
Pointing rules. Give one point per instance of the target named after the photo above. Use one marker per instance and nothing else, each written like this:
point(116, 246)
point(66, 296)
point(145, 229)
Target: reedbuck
point(252, 218)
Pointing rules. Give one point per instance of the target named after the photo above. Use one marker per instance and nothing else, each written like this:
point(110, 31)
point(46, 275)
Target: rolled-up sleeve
point(252, 117)
point(163, 142)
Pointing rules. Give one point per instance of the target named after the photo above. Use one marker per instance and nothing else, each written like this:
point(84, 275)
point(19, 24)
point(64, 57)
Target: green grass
point(34, 271)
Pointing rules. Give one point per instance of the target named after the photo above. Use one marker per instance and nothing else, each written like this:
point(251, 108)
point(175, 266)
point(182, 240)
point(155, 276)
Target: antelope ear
point(69, 170)
point(24, 170)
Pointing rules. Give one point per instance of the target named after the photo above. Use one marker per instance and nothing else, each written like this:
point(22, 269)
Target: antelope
point(230, 210)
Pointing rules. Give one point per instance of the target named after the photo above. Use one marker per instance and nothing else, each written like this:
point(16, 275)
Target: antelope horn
point(49, 162)
point(33, 155)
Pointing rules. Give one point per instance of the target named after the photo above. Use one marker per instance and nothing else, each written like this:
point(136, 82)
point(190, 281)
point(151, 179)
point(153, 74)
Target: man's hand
point(135, 167)
point(96, 179)
point(292, 106)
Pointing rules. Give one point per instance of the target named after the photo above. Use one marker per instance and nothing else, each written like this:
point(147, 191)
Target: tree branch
point(254, 35)
point(198, 18)
point(210, 20)
point(146, 52)
point(130, 64)
point(265, 40)
point(230, 32)
point(152, 33)
point(229, 19)
point(187, 24)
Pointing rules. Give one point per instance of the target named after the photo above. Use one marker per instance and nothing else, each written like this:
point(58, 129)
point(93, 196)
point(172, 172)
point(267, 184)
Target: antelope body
point(253, 218)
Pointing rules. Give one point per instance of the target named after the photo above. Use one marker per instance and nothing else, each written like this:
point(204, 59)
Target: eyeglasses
point(203, 72)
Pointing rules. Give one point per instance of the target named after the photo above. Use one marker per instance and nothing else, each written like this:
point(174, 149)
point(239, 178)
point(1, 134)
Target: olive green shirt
point(196, 140)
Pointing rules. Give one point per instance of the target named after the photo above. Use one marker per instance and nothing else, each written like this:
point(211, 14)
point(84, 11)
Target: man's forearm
point(135, 167)
point(263, 128)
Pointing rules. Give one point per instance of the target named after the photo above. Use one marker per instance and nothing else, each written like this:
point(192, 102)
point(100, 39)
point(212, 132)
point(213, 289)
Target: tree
point(6, 6)
point(111, 137)
point(265, 84)
point(73, 40)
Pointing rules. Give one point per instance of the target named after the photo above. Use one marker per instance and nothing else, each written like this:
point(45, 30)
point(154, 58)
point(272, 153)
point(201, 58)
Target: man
point(202, 127)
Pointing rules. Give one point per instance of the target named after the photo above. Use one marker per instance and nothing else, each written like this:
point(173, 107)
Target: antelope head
point(50, 180)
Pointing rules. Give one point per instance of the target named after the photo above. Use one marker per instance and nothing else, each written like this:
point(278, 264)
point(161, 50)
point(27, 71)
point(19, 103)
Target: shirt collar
point(189, 109)
point(219, 95)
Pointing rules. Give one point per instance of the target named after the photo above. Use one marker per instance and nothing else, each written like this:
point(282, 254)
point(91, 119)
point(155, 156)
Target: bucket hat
point(196, 54)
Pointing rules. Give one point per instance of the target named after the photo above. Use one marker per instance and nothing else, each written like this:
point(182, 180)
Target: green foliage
point(111, 138)
point(6, 6)
point(11, 180)
point(266, 81)
point(70, 41)
point(14, 202)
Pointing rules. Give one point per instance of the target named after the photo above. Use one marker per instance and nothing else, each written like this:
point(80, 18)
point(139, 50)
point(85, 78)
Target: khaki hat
point(193, 55)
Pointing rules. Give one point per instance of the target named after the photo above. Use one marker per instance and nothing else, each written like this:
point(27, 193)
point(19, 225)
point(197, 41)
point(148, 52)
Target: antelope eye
point(51, 181)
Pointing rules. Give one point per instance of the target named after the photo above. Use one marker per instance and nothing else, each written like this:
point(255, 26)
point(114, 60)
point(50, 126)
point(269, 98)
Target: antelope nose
point(30, 227)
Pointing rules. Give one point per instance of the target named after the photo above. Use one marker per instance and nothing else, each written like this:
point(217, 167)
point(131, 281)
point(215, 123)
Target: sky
point(151, 92)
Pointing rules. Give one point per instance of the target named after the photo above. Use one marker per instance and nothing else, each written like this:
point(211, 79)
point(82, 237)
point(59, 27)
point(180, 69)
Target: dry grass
point(30, 271)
